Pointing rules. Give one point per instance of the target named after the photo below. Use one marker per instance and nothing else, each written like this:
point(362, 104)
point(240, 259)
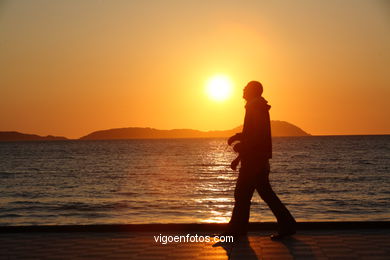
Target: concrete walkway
point(371, 243)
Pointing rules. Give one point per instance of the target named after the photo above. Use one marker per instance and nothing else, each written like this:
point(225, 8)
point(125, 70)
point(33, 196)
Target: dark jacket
point(256, 133)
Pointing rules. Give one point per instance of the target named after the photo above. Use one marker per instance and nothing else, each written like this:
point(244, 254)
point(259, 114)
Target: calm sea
point(335, 178)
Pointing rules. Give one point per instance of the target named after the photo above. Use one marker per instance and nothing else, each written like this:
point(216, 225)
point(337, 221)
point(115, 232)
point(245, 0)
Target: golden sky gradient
point(72, 67)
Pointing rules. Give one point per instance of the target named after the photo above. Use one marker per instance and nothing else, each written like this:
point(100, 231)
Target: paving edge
point(256, 226)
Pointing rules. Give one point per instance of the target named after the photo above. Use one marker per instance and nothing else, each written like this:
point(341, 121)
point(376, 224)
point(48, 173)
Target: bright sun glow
point(219, 88)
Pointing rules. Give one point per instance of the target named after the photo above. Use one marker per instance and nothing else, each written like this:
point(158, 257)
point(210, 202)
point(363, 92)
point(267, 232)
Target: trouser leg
point(243, 193)
point(282, 214)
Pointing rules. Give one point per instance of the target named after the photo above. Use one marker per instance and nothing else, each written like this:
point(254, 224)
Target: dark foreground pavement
point(370, 241)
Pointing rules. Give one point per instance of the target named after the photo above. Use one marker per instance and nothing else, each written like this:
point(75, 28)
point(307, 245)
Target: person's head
point(252, 90)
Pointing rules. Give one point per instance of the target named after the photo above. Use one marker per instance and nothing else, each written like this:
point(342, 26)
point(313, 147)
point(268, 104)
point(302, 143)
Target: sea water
point(319, 178)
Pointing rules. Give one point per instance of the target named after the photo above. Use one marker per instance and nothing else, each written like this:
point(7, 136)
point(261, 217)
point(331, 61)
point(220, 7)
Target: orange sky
point(72, 67)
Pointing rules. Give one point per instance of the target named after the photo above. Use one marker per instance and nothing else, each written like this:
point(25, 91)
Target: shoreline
point(254, 226)
point(185, 138)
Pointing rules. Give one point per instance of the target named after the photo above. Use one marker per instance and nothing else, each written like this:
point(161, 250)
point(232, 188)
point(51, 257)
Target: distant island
point(16, 136)
point(279, 128)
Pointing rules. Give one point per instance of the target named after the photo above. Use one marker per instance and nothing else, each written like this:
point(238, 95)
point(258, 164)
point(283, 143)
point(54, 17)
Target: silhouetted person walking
point(255, 150)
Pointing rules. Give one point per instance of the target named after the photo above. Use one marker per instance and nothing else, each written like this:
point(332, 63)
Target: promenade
point(313, 241)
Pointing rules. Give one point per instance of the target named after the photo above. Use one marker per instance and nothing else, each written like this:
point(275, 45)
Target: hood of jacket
point(259, 102)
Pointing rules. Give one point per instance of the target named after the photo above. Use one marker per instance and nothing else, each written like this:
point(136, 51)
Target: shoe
point(282, 234)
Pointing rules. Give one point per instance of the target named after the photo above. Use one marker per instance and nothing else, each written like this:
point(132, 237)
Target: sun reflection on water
point(217, 217)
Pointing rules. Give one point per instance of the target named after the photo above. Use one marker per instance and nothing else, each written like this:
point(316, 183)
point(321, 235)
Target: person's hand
point(230, 140)
point(237, 147)
point(233, 138)
point(234, 163)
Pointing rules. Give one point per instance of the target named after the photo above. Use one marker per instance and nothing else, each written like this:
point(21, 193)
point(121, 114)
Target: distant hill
point(279, 128)
point(16, 136)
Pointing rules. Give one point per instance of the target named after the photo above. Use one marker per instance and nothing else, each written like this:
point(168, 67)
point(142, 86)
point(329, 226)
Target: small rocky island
point(16, 136)
point(278, 128)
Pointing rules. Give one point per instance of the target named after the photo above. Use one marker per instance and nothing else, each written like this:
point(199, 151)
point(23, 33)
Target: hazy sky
point(72, 67)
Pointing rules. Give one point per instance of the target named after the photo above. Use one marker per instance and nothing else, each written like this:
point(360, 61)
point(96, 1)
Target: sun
point(219, 87)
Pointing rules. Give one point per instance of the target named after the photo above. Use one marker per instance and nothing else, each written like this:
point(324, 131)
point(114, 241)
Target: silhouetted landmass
point(279, 128)
point(16, 136)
